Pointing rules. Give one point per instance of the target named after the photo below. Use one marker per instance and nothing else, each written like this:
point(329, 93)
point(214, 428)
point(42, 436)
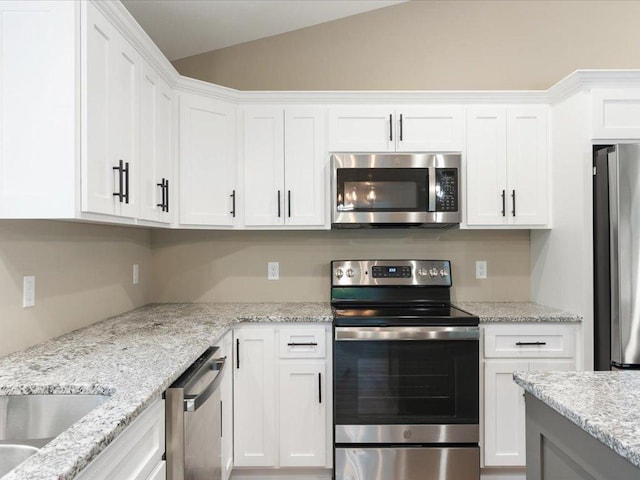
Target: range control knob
point(339, 273)
point(350, 273)
point(443, 273)
point(423, 272)
point(433, 272)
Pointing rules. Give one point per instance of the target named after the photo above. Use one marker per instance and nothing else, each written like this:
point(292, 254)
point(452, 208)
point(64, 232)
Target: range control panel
point(391, 272)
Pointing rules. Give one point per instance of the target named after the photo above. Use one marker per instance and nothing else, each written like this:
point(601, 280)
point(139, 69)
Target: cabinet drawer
point(528, 341)
point(302, 343)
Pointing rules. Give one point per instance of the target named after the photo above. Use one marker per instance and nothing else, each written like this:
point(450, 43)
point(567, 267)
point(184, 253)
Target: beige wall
point(83, 274)
point(435, 45)
point(203, 266)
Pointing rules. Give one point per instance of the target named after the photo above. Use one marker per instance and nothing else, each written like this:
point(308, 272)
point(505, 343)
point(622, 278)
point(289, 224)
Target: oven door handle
point(406, 333)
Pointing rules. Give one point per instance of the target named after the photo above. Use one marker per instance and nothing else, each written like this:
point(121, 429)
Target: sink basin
point(13, 455)
point(36, 419)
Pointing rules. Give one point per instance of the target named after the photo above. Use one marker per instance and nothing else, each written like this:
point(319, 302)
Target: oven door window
point(382, 189)
point(406, 382)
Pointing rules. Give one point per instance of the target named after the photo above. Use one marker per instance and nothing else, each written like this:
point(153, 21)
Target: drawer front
point(529, 341)
point(160, 472)
point(302, 343)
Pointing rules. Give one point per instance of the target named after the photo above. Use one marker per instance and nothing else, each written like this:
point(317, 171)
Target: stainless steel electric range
point(406, 373)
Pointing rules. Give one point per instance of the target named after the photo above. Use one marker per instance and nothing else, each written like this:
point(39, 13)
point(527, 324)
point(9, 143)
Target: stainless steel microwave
point(395, 190)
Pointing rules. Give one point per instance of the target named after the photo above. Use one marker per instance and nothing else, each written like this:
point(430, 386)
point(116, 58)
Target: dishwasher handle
point(193, 402)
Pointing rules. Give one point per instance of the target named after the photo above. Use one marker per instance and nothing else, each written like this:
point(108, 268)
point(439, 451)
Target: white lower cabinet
point(282, 396)
point(136, 454)
point(509, 348)
point(226, 395)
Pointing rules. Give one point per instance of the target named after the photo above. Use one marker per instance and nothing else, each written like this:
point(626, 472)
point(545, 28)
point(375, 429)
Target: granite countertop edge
point(125, 345)
point(596, 402)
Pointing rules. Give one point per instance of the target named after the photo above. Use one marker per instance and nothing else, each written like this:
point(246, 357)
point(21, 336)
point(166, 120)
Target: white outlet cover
point(481, 269)
point(28, 291)
point(273, 270)
point(136, 274)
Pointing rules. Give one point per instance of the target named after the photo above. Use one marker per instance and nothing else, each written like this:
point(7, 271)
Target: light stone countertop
point(517, 312)
point(603, 404)
point(134, 357)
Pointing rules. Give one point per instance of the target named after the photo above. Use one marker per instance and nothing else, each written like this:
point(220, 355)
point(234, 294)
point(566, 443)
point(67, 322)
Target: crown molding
point(581, 80)
point(133, 32)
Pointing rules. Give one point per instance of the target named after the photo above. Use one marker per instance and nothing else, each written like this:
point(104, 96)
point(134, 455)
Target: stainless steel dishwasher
point(193, 421)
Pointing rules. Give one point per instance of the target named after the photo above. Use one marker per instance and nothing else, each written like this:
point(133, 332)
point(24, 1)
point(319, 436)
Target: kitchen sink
point(12, 455)
point(36, 419)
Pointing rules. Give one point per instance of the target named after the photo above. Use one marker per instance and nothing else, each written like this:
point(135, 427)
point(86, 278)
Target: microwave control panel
point(447, 195)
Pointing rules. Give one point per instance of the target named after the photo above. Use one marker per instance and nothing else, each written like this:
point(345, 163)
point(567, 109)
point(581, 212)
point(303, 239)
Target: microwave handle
point(431, 205)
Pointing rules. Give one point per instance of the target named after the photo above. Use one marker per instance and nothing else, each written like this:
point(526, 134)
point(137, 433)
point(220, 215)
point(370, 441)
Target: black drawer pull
point(237, 353)
point(319, 388)
point(308, 344)
point(523, 344)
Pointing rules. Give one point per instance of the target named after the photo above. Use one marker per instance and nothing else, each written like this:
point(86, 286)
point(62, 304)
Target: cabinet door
point(264, 197)
point(303, 397)
point(110, 119)
point(254, 409)
point(156, 147)
point(208, 168)
point(616, 113)
point(527, 165)
point(136, 454)
point(431, 129)
point(486, 166)
point(305, 166)
point(361, 129)
point(227, 406)
point(38, 109)
point(504, 414)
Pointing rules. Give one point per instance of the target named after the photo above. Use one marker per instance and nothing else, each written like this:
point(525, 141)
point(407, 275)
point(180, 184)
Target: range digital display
point(390, 272)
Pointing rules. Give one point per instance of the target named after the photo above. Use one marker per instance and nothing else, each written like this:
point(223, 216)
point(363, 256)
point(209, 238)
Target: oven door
point(406, 384)
point(387, 189)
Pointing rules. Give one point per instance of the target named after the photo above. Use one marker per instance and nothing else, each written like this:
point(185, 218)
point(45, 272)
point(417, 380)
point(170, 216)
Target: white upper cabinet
point(506, 156)
point(156, 148)
point(284, 167)
point(616, 113)
point(208, 171)
point(37, 109)
point(399, 129)
point(111, 128)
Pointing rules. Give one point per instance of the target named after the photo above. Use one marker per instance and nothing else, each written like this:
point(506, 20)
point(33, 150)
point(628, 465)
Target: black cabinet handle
point(126, 183)
point(513, 197)
point(504, 202)
point(400, 127)
point(166, 187)
point(221, 417)
point(119, 193)
point(390, 128)
point(309, 344)
point(319, 387)
point(237, 353)
point(278, 203)
point(163, 194)
point(289, 203)
point(233, 204)
point(523, 344)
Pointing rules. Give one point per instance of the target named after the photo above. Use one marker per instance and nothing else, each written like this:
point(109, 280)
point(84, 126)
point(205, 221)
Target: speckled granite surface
point(132, 357)
point(603, 404)
point(516, 312)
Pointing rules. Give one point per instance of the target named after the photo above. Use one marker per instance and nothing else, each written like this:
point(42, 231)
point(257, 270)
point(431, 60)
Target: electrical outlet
point(273, 270)
point(481, 269)
point(136, 273)
point(28, 291)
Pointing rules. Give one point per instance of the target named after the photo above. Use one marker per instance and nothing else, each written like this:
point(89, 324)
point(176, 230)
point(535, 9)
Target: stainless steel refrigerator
point(616, 219)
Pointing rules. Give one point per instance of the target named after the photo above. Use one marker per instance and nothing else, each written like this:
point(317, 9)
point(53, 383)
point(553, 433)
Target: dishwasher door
point(193, 421)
